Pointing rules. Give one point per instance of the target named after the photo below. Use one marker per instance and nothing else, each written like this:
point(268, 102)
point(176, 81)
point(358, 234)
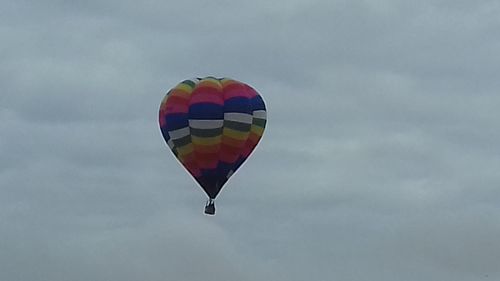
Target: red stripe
point(229, 156)
point(230, 149)
point(206, 95)
point(250, 144)
point(236, 90)
point(177, 104)
point(229, 153)
point(193, 170)
point(206, 160)
point(190, 164)
point(251, 91)
point(161, 117)
point(247, 150)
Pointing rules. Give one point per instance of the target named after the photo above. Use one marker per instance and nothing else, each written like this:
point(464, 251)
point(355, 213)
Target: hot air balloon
point(212, 125)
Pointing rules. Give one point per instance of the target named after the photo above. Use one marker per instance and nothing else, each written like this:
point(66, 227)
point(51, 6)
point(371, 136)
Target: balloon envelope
point(212, 125)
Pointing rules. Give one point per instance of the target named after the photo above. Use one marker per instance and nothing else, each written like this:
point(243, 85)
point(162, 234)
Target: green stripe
point(182, 141)
point(189, 83)
point(259, 122)
point(238, 126)
point(205, 133)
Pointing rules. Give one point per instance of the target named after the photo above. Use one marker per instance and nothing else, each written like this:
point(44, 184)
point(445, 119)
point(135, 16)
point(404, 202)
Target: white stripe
point(205, 124)
point(179, 133)
point(170, 143)
point(238, 117)
point(261, 114)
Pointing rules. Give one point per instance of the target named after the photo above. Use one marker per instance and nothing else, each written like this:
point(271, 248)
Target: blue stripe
point(223, 169)
point(209, 173)
point(257, 103)
point(238, 104)
point(220, 173)
point(206, 111)
point(164, 132)
point(238, 163)
point(176, 121)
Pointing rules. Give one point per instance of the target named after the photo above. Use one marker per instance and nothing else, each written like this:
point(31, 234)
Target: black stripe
point(259, 122)
point(205, 133)
point(182, 141)
point(238, 126)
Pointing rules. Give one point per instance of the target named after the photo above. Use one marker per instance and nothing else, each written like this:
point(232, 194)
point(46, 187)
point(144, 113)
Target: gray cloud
point(379, 161)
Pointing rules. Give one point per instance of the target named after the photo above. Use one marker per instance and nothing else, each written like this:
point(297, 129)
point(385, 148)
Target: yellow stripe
point(205, 141)
point(184, 87)
point(209, 83)
point(184, 150)
point(235, 134)
point(181, 93)
point(182, 158)
point(257, 130)
point(226, 82)
point(211, 79)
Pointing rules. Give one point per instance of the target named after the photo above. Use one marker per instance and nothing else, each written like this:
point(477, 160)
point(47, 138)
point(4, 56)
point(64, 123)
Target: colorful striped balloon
point(212, 125)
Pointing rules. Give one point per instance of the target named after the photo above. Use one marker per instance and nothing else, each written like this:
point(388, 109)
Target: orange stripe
point(206, 148)
point(254, 138)
point(188, 158)
point(226, 82)
point(232, 142)
point(179, 93)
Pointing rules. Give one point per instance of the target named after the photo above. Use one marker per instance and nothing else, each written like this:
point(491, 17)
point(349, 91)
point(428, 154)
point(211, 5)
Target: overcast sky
point(380, 160)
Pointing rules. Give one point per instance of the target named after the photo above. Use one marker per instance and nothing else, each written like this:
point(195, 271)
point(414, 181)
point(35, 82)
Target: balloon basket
point(210, 208)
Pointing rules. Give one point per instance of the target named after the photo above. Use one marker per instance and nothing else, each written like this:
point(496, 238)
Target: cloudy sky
point(380, 159)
